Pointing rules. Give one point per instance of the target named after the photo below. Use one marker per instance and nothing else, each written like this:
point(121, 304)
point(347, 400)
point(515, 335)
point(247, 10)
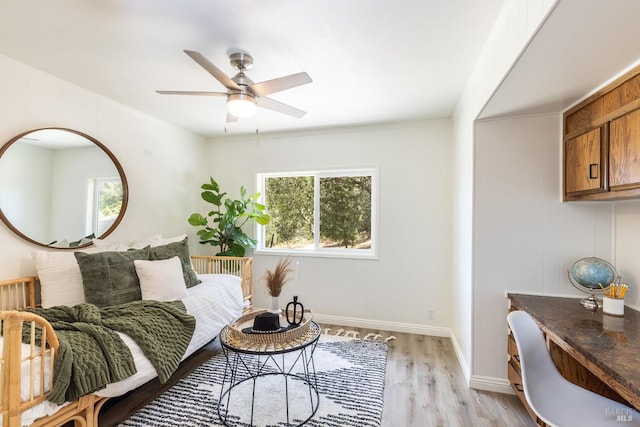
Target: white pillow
point(167, 240)
point(154, 240)
point(161, 280)
point(61, 244)
point(99, 243)
point(60, 278)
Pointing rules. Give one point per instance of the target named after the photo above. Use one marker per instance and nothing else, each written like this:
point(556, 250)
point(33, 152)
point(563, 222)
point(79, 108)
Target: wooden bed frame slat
point(18, 294)
point(228, 265)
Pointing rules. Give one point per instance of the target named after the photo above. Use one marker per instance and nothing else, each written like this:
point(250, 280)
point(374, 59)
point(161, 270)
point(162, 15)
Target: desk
point(592, 349)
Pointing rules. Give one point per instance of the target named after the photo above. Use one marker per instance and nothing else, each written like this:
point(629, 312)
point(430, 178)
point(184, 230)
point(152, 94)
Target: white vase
point(275, 305)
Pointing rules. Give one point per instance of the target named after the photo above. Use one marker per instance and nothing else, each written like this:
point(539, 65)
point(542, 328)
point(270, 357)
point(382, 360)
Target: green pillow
point(109, 278)
point(181, 250)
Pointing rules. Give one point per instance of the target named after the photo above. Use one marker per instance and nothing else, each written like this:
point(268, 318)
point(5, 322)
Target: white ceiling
point(370, 60)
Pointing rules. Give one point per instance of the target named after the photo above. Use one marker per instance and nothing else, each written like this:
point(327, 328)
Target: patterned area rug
point(350, 377)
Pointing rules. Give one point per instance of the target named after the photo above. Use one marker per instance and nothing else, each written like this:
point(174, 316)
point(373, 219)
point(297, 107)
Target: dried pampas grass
point(276, 279)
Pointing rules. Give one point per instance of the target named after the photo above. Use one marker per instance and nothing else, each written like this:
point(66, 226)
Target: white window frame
point(318, 251)
point(93, 207)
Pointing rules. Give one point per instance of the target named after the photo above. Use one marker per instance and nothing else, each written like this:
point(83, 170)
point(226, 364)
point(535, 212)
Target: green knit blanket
point(92, 355)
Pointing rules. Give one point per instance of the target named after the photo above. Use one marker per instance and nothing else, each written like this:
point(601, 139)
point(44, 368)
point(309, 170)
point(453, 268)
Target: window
point(330, 213)
point(106, 202)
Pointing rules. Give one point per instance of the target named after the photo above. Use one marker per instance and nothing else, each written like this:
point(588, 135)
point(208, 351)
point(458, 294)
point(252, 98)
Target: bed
point(224, 293)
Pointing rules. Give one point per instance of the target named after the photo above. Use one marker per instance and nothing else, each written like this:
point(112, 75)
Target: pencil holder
point(613, 306)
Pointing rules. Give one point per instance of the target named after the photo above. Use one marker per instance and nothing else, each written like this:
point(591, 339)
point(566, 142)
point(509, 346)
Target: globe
point(588, 275)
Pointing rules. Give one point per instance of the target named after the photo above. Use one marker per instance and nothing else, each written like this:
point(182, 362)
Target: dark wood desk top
point(610, 343)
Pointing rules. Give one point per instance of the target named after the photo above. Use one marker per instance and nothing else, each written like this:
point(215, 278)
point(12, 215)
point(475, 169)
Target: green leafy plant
point(223, 225)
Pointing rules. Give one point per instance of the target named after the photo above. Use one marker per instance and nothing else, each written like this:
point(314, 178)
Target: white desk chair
point(554, 399)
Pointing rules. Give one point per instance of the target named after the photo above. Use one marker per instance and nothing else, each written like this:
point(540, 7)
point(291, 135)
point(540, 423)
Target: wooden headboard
point(16, 294)
point(236, 266)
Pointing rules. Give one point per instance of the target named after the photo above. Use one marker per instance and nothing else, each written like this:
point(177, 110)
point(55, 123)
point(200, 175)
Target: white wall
point(515, 26)
point(413, 269)
point(163, 188)
point(27, 186)
point(462, 234)
point(627, 259)
point(525, 237)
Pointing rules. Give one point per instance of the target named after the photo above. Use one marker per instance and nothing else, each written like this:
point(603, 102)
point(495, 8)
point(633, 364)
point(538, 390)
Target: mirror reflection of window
point(72, 169)
point(106, 202)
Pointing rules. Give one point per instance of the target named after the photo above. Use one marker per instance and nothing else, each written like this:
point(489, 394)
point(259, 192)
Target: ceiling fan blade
point(272, 104)
point(186, 92)
point(212, 69)
point(281, 83)
point(231, 118)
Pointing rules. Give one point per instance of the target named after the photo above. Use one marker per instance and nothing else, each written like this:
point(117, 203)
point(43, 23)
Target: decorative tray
point(236, 334)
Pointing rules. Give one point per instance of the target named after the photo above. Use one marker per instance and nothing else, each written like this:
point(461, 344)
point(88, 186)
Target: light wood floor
point(424, 387)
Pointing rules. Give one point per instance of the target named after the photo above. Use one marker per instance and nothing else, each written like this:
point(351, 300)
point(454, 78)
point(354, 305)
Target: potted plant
point(275, 280)
point(223, 225)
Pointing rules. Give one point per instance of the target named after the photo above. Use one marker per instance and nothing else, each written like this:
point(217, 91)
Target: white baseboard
point(462, 361)
point(498, 385)
point(410, 328)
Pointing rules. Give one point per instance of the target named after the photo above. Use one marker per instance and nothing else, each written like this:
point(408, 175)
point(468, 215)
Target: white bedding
point(214, 303)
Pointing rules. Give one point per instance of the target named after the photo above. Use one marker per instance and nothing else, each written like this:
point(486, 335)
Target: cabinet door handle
point(593, 171)
point(518, 387)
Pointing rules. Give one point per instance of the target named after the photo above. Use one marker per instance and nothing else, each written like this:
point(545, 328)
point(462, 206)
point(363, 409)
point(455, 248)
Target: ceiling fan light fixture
point(241, 105)
point(243, 95)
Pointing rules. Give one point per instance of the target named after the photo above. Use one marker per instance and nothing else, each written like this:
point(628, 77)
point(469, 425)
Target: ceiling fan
point(242, 93)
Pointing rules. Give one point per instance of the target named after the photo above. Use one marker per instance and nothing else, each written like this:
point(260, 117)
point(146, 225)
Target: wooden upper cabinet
point(585, 169)
point(601, 137)
point(624, 152)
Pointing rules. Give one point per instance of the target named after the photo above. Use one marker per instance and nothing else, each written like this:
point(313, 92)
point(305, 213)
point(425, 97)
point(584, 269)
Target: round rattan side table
point(275, 373)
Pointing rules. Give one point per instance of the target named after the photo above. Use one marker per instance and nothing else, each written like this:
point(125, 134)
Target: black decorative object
point(292, 320)
point(266, 322)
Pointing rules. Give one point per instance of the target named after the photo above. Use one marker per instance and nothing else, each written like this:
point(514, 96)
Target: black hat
point(266, 323)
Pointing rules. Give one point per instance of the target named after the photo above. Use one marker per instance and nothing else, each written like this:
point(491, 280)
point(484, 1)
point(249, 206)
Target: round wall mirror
point(60, 188)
